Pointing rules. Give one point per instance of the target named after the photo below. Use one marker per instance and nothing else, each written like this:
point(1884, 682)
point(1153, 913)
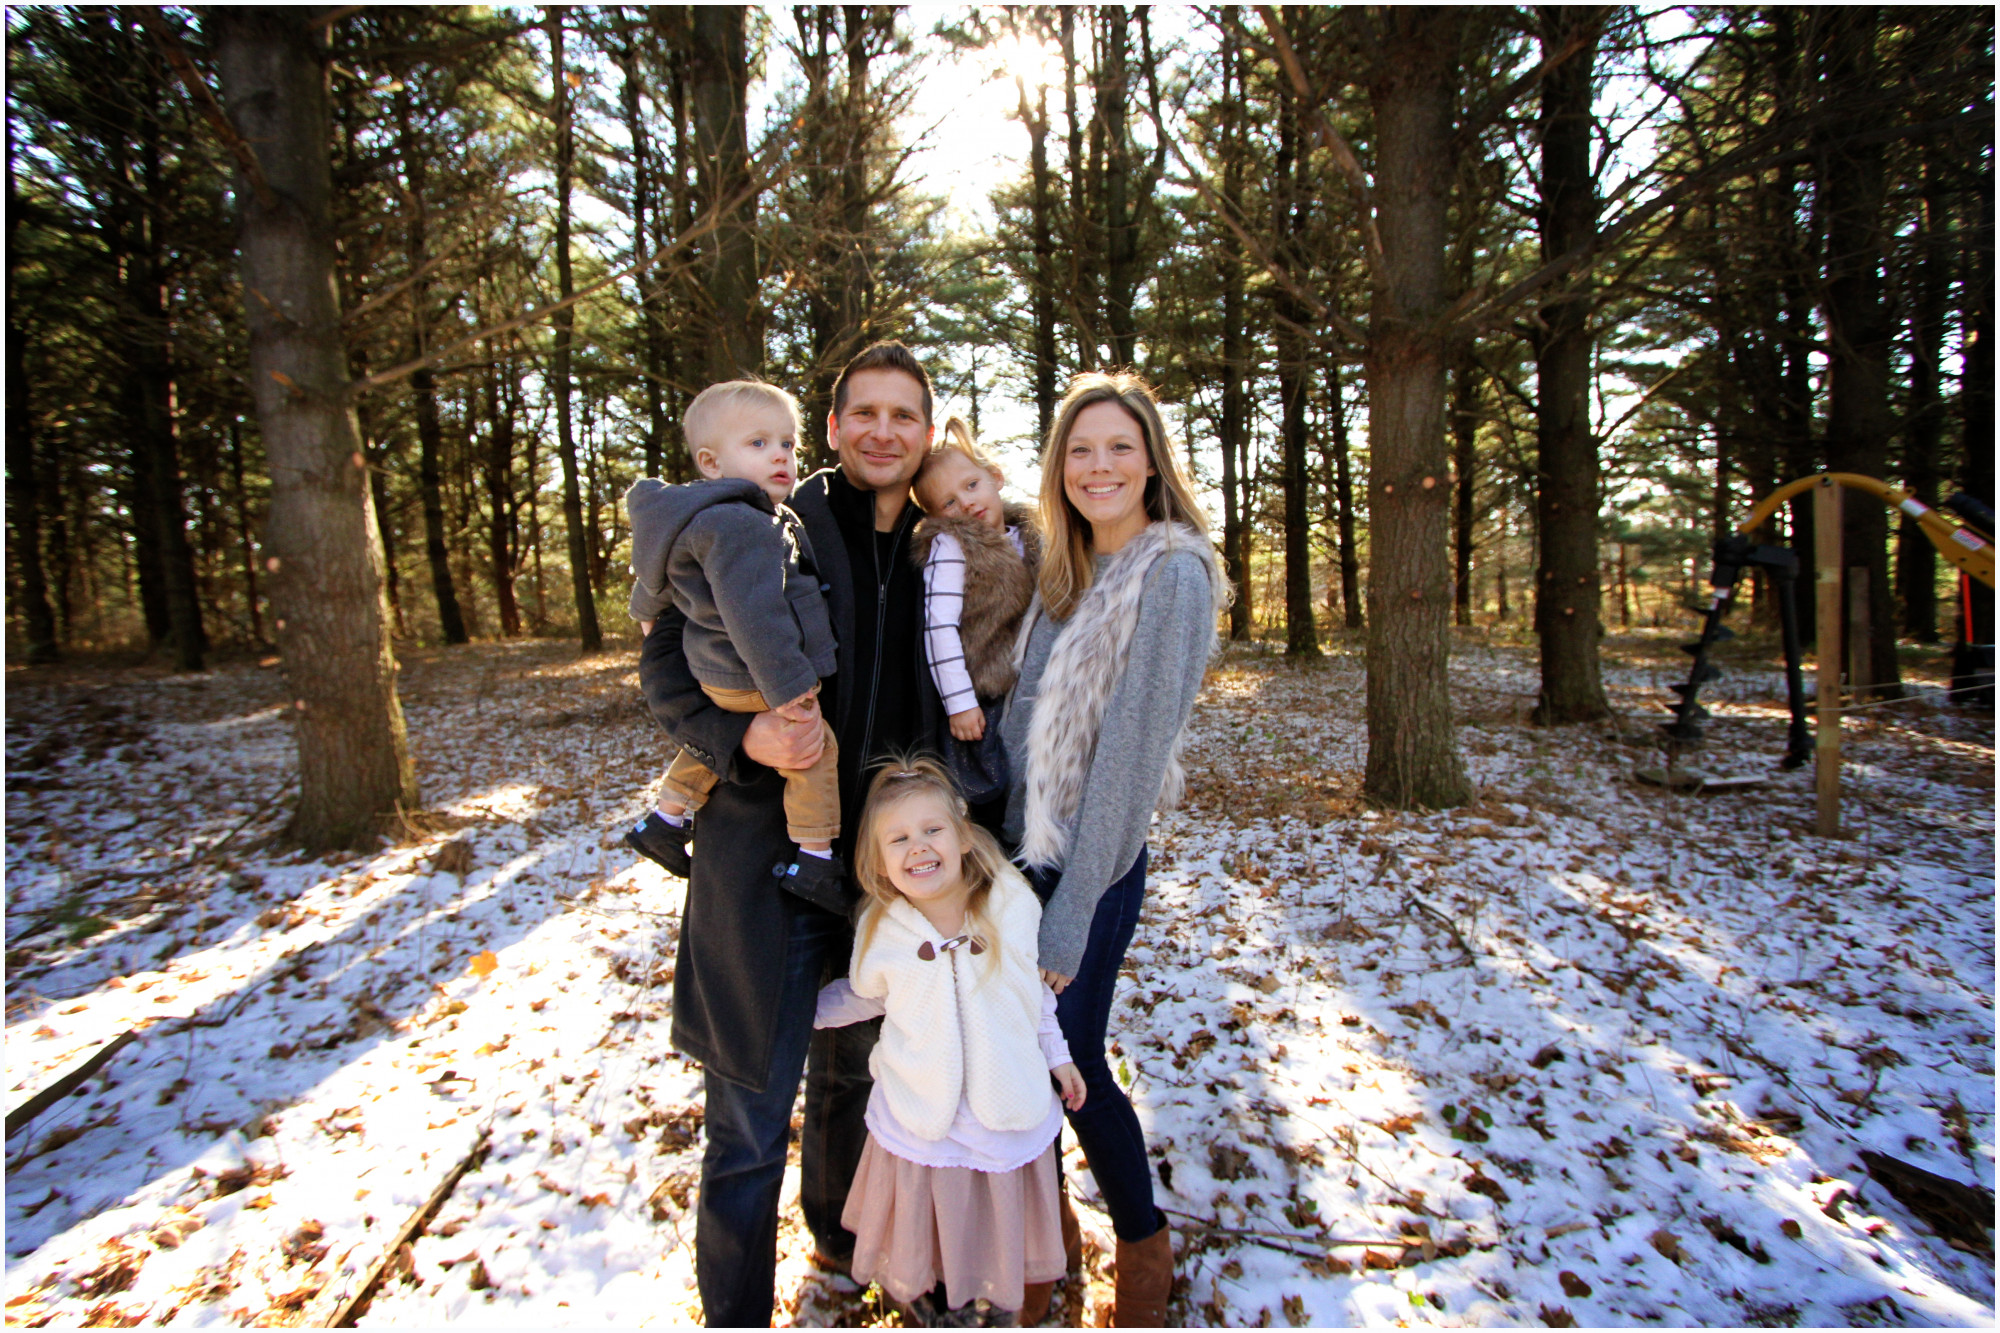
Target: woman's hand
point(1056, 980)
point(969, 725)
point(1070, 1083)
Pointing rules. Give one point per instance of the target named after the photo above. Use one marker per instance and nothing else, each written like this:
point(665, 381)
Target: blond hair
point(1066, 552)
point(703, 418)
point(900, 778)
point(957, 440)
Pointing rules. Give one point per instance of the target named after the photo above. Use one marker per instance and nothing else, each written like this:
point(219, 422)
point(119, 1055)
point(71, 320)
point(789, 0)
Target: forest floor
point(1584, 1050)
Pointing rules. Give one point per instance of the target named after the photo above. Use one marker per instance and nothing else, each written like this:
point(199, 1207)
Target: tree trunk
point(423, 384)
point(1465, 479)
point(857, 287)
point(1235, 402)
point(497, 472)
point(1976, 396)
point(590, 638)
point(1566, 492)
point(24, 494)
point(1859, 323)
point(651, 343)
point(1343, 494)
point(1413, 759)
point(1923, 438)
point(1082, 265)
point(245, 532)
point(1288, 205)
point(719, 79)
point(326, 594)
point(1041, 226)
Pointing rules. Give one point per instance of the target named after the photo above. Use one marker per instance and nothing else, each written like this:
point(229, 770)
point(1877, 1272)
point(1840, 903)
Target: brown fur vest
point(998, 587)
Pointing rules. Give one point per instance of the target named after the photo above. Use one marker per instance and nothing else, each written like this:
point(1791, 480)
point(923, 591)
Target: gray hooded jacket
point(741, 570)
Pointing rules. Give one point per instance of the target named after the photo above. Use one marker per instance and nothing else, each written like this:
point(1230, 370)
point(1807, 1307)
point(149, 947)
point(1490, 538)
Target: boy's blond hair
point(957, 440)
point(701, 420)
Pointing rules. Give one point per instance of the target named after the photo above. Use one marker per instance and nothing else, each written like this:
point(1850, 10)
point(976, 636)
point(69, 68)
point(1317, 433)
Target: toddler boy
point(735, 560)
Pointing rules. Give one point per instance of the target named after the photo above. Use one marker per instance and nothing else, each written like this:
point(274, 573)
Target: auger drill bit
point(1685, 730)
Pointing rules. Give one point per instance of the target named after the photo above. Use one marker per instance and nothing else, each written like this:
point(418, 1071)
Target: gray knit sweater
point(1148, 707)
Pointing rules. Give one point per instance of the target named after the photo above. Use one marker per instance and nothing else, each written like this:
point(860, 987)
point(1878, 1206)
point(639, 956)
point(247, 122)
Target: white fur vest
point(957, 1025)
point(1084, 667)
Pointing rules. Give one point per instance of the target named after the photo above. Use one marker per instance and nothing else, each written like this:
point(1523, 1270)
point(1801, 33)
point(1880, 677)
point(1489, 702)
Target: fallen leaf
point(485, 961)
point(1667, 1243)
point(1791, 1228)
point(1557, 1317)
point(1572, 1285)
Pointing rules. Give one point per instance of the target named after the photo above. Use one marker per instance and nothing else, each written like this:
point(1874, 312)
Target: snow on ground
point(1582, 1050)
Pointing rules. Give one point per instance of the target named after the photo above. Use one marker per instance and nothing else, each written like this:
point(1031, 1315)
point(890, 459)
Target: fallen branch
point(1417, 904)
point(341, 1311)
point(19, 1116)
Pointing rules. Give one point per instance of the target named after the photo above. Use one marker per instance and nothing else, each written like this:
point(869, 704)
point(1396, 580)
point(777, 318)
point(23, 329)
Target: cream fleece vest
point(956, 1025)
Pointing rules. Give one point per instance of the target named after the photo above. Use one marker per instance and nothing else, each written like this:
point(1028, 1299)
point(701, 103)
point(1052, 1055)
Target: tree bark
point(1975, 475)
point(1413, 759)
point(1288, 205)
point(1041, 227)
point(651, 341)
point(719, 79)
point(332, 624)
point(1567, 599)
point(1465, 479)
point(1235, 402)
point(1343, 494)
point(497, 471)
point(423, 384)
point(1923, 438)
point(1859, 323)
point(589, 637)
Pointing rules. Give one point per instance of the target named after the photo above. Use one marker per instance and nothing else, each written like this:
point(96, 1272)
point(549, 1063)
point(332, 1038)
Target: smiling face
point(880, 434)
point(922, 852)
point(955, 486)
point(1105, 469)
point(754, 442)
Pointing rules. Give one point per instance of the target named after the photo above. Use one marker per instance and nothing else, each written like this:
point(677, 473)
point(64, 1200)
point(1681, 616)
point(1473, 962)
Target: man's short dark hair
point(889, 355)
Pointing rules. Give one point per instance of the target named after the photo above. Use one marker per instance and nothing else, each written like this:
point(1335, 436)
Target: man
point(752, 958)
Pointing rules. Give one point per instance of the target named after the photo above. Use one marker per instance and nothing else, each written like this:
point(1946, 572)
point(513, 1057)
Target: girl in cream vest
point(955, 1198)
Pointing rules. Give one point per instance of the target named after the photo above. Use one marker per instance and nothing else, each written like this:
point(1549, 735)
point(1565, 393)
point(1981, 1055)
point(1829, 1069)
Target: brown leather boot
point(1035, 1303)
point(1072, 1233)
point(1144, 1277)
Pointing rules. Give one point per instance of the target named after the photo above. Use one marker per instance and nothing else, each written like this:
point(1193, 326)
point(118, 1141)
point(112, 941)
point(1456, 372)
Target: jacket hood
point(663, 509)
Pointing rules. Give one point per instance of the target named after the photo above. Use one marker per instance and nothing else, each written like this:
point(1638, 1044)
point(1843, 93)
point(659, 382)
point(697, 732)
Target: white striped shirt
point(944, 607)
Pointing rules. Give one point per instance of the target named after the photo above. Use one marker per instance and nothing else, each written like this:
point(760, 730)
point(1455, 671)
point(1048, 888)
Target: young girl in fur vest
point(1111, 656)
point(980, 556)
point(957, 1184)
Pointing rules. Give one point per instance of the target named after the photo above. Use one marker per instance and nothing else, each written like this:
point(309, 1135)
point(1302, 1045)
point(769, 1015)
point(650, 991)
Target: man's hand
point(776, 741)
point(1056, 980)
point(1070, 1081)
point(969, 725)
point(645, 628)
point(805, 708)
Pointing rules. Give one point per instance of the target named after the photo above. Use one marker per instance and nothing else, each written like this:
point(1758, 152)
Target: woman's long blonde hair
point(1066, 552)
point(900, 778)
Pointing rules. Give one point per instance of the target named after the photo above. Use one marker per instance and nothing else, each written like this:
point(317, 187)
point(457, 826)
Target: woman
point(1111, 654)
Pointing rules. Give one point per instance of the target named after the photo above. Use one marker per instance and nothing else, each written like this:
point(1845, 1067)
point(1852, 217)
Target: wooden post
point(1860, 666)
point(1826, 556)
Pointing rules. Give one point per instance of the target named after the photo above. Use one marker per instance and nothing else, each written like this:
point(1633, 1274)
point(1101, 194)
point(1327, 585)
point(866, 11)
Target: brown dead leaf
point(1667, 1243)
point(1573, 1286)
point(485, 961)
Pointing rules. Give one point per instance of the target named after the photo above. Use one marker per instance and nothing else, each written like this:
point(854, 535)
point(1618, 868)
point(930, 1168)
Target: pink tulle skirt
point(1001, 1229)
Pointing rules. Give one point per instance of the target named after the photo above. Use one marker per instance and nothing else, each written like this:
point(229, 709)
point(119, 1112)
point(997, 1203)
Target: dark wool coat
point(998, 587)
point(727, 974)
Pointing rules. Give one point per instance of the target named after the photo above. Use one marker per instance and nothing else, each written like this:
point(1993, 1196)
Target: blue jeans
point(743, 1166)
point(1107, 1127)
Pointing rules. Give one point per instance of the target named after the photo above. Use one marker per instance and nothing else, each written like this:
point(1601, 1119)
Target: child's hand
point(1070, 1082)
point(805, 708)
point(969, 725)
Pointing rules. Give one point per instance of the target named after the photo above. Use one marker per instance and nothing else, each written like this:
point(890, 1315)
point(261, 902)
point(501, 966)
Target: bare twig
point(1419, 905)
point(703, 225)
point(164, 37)
point(1336, 143)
